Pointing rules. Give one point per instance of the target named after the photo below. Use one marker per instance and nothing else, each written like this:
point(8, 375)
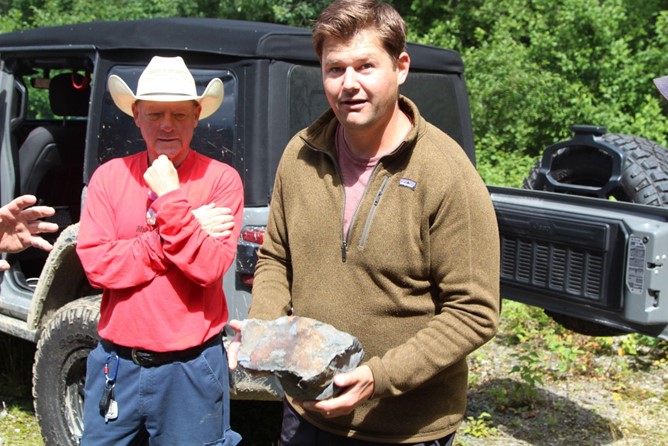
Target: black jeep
point(595, 264)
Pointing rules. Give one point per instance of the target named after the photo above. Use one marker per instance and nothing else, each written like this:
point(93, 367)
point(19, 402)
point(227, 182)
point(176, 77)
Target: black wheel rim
point(75, 380)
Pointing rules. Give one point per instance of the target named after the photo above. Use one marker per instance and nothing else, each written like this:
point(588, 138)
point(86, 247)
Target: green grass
point(18, 426)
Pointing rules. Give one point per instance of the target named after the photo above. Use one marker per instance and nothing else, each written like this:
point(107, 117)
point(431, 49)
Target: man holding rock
point(381, 227)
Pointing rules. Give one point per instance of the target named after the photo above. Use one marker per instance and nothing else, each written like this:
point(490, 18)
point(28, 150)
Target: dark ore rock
point(304, 354)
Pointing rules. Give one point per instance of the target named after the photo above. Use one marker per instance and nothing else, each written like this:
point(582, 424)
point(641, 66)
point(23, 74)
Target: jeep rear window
point(214, 136)
point(307, 97)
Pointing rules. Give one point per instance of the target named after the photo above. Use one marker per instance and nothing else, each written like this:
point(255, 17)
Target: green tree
point(21, 14)
point(533, 67)
point(289, 12)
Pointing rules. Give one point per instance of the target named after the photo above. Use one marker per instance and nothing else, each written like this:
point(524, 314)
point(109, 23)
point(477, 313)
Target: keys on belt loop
point(108, 404)
point(112, 359)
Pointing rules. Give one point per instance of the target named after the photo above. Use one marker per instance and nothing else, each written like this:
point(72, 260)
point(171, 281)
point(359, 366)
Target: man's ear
point(403, 65)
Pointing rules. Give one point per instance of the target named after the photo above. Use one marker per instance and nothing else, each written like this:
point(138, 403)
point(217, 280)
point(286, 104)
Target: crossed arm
point(201, 242)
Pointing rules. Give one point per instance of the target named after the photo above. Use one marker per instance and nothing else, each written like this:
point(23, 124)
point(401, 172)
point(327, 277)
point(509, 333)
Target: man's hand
point(357, 385)
point(20, 223)
point(217, 222)
point(162, 177)
point(233, 348)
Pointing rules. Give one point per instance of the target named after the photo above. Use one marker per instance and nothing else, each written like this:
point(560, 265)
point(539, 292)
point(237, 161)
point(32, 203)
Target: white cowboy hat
point(662, 85)
point(166, 79)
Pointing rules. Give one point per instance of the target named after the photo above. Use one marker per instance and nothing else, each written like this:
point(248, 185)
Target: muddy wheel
point(59, 371)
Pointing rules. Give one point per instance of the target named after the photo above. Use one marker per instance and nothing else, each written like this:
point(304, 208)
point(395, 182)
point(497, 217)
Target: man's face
point(167, 127)
point(362, 81)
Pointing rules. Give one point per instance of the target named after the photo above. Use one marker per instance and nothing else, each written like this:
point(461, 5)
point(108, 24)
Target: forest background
point(533, 67)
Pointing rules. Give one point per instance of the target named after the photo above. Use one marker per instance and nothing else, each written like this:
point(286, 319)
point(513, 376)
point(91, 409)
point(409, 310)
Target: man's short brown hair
point(342, 19)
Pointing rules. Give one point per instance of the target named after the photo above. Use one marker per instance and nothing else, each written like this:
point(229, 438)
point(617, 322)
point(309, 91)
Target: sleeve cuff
point(381, 387)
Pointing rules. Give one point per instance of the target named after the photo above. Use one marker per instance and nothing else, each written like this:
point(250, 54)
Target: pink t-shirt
point(355, 172)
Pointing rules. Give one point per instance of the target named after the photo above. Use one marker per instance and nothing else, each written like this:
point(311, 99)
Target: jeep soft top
point(203, 41)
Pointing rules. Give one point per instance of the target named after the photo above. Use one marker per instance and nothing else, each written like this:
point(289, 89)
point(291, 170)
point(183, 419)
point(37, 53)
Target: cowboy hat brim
point(662, 85)
point(123, 96)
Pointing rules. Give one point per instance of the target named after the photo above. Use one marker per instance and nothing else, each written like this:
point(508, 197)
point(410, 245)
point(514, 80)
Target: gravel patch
point(619, 400)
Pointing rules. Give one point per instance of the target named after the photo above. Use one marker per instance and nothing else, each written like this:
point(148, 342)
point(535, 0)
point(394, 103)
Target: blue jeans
point(296, 431)
point(173, 404)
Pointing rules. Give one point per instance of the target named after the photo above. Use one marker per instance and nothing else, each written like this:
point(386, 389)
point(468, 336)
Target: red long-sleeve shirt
point(162, 284)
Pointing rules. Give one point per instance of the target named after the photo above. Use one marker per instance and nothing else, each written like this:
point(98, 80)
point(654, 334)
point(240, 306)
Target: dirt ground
point(616, 401)
point(624, 403)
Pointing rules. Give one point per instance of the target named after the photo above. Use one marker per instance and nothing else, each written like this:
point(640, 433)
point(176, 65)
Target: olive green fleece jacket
point(416, 279)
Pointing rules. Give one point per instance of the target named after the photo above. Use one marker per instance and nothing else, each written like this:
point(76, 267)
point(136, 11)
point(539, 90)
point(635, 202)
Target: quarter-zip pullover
point(416, 280)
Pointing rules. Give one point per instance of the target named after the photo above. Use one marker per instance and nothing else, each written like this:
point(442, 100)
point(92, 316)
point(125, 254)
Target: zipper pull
point(344, 248)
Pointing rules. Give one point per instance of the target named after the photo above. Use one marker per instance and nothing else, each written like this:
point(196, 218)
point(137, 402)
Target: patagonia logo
point(405, 182)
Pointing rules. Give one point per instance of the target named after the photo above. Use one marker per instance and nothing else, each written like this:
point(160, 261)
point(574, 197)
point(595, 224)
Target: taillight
point(253, 234)
point(250, 239)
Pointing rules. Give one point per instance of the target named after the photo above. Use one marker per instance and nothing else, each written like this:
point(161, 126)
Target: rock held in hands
point(303, 353)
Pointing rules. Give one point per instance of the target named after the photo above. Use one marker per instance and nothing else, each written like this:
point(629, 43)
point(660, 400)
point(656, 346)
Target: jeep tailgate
point(598, 260)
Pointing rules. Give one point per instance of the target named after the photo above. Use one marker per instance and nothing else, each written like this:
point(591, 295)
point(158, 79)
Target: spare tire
point(644, 180)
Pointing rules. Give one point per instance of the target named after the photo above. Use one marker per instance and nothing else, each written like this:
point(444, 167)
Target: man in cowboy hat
point(155, 237)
